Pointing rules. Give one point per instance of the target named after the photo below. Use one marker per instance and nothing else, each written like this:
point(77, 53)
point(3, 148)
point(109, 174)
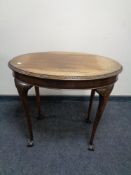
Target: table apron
point(65, 84)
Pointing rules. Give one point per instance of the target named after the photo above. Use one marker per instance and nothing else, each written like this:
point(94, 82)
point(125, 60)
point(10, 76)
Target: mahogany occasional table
point(65, 70)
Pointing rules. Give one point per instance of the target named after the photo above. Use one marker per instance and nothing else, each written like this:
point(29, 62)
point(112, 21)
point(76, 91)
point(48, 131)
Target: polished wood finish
point(62, 70)
point(90, 106)
point(68, 84)
point(65, 66)
point(103, 98)
point(38, 102)
point(23, 91)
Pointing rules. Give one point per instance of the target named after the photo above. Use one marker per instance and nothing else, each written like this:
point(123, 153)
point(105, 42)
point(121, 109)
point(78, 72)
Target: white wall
point(95, 26)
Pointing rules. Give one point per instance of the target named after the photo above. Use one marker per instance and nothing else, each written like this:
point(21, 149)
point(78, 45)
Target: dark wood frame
point(102, 86)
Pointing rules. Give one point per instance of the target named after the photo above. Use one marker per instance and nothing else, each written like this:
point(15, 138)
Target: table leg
point(38, 102)
point(104, 94)
point(23, 91)
point(90, 106)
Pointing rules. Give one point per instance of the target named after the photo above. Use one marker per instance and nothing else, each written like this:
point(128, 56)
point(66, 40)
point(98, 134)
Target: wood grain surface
point(65, 66)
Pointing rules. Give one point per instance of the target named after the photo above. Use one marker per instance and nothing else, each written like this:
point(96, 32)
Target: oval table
point(65, 70)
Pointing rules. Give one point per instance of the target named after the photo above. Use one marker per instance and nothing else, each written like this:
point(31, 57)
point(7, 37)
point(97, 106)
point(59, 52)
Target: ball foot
point(30, 143)
point(91, 147)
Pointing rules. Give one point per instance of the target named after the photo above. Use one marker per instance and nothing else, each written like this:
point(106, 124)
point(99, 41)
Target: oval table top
point(65, 66)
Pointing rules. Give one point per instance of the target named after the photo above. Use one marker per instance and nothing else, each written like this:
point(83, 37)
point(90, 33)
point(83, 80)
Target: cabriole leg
point(23, 91)
point(104, 94)
point(38, 102)
point(90, 106)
